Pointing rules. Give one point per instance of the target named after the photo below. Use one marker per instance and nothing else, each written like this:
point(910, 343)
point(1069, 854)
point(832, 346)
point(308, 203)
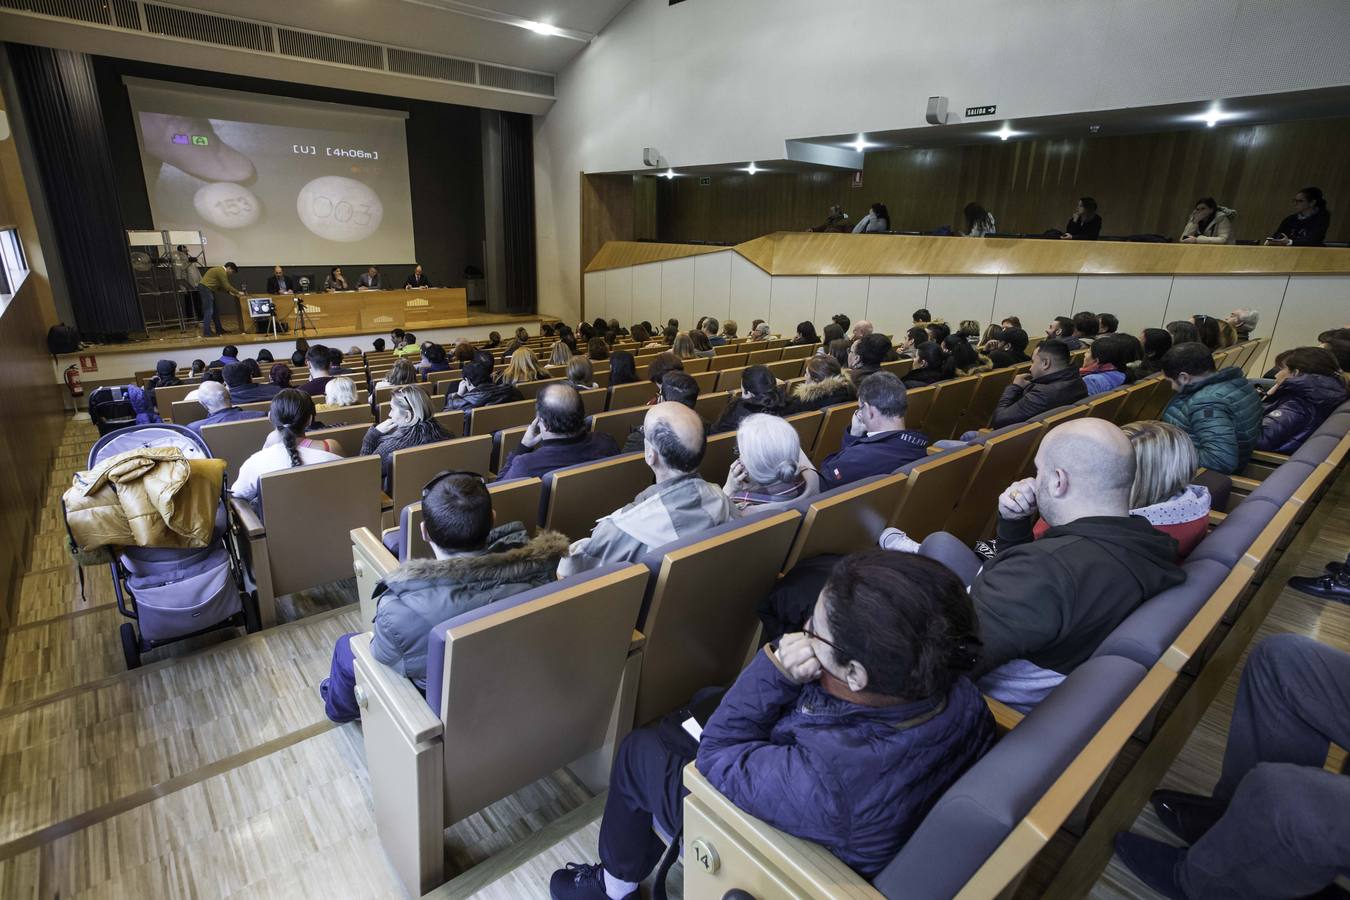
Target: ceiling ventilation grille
point(260, 37)
point(424, 65)
point(329, 49)
point(207, 28)
point(515, 80)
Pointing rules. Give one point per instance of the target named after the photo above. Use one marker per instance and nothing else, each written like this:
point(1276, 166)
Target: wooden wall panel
point(1145, 184)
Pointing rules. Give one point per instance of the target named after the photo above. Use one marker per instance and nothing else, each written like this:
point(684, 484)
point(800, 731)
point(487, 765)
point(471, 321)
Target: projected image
point(268, 186)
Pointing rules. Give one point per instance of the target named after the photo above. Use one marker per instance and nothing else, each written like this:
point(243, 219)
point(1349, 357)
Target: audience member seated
point(877, 220)
point(1309, 385)
point(1085, 327)
point(659, 366)
point(938, 331)
point(867, 356)
point(960, 358)
point(825, 385)
point(913, 338)
point(433, 359)
point(597, 350)
point(1155, 343)
point(844, 734)
point(1307, 225)
point(861, 329)
point(403, 373)
point(1209, 223)
point(410, 346)
point(476, 387)
point(279, 376)
point(710, 328)
point(770, 470)
point(558, 436)
point(622, 369)
point(922, 318)
point(1107, 364)
point(679, 504)
point(929, 364)
point(1044, 605)
point(559, 354)
point(1085, 224)
point(759, 394)
point(523, 367)
point(316, 358)
point(216, 400)
point(702, 348)
point(1061, 329)
point(1218, 409)
point(337, 393)
point(410, 424)
point(1275, 825)
point(1008, 348)
point(1244, 321)
point(806, 334)
point(228, 354)
point(287, 447)
point(166, 374)
point(198, 368)
point(580, 374)
point(1183, 332)
point(760, 332)
point(1052, 382)
point(473, 565)
point(831, 333)
point(1208, 329)
point(1107, 324)
point(241, 386)
point(1011, 322)
point(877, 441)
point(979, 221)
point(335, 366)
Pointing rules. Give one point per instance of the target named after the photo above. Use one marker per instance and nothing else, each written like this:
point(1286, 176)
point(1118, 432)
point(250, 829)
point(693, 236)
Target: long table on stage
point(353, 311)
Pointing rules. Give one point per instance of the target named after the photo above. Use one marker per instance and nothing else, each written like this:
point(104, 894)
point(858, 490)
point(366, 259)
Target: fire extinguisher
point(73, 381)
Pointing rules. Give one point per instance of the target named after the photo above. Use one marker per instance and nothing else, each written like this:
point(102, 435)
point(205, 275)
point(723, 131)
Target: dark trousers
point(646, 785)
point(339, 695)
point(210, 315)
point(1286, 832)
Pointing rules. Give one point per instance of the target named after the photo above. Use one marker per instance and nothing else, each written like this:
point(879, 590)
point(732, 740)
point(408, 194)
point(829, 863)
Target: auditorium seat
point(948, 406)
point(711, 406)
point(980, 408)
point(412, 468)
point(347, 437)
point(730, 379)
point(1146, 633)
point(576, 496)
point(487, 419)
point(834, 425)
point(718, 455)
point(846, 519)
point(787, 368)
point(1006, 456)
point(1107, 405)
point(763, 357)
point(920, 402)
point(346, 415)
point(434, 761)
point(807, 425)
point(619, 423)
point(931, 491)
point(800, 351)
point(724, 361)
point(625, 396)
point(235, 442)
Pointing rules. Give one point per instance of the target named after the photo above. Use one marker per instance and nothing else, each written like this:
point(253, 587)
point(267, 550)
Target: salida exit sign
point(980, 111)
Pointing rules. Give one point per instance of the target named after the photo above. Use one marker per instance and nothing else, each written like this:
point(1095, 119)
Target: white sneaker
point(895, 539)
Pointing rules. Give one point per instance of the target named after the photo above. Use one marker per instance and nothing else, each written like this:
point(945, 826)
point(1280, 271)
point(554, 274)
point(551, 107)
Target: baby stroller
point(175, 593)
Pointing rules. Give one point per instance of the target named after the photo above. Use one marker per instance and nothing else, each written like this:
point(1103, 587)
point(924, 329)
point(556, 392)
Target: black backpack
point(61, 338)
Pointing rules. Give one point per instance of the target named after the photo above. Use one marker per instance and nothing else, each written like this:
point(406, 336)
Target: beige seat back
point(1107, 406)
point(920, 403)
point(580, 495)
point(235, 442)
point(698, 364)
point(799, 351)
point(984, 401)
point(706, 381)
point(1135, 397)
point(701, 623)
point(530, 389)
point(411, 469)
point(347, 437)
point(185, 411)
point(898, 367)
point(451, 421)
point(808, 426)
point(619, 423)
point(309, 513)
point(949, 405)
point(711, 406)
point(724, 361)
point(165, 397)
point(1004, 459)
point(730, 379)
point(933, 489)
point(516, 500)
point(835, 421)
point(626, 396)
point(847, 520)
point(346, 415)
point(718, 455)
point(487, 419)
point(787, 368)
point(593, 400)
point(764, 357)
point(545, 704)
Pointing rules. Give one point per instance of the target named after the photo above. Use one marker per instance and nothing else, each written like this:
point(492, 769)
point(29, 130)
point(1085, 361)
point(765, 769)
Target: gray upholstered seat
point(1282, 483)
point(1148, 631)
point(1230, 540)
point(1316, 448)
point(977, 813)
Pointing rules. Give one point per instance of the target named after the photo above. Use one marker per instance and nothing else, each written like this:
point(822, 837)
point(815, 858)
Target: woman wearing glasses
point(845, 733)
point(473, 564)
point(1307, 225)
point(410, 424)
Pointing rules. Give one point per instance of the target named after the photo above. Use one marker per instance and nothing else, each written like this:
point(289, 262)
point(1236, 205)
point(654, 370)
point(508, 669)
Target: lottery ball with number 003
point(339, 209)
point(227, 205)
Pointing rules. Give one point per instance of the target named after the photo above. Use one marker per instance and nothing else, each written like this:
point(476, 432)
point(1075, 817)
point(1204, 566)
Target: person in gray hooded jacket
point(474, 565)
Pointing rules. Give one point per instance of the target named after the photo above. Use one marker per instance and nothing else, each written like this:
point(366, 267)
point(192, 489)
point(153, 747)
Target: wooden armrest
point(386, 502)
point(371, 550)
point(638, 641)
point(1265, 457)
point(1005, 717)
point(1216, 518)
point(243, 511)
point(406, 706)
point(933, 449)
point(1244, 484)
point(388, 531)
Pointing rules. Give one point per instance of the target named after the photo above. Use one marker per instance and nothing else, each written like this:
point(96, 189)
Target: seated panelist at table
point(281, 283)
point(335, 280)
point(417, 279)
point(370, 281)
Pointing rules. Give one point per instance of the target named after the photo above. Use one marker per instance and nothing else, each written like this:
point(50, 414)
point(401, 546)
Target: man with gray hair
point(681, 503)
point(215, 399)
point(877, 441)
point(711, 327)
point(1045, 605)
point(1244, 322)
point(558, 436)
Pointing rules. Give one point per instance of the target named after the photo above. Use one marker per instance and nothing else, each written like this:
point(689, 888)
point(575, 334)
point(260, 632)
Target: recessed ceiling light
point(541, 28)
point(504, 18)
point(1214, 115)
point(862, 143)
point(668, 174)
point(1004, 133)
point(752, 169)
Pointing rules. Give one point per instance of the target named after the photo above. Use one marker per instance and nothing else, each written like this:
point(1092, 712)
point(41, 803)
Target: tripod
point(302, 322)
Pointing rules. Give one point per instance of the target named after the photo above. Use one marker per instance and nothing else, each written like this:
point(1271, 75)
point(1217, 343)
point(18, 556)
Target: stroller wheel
point(131, 646)
point(252, 620)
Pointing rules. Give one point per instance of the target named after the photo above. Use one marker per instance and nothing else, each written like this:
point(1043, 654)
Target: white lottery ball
point(339, 209)
point(227, 205)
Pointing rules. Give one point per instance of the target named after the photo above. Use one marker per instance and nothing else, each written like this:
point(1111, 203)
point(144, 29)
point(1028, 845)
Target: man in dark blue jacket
point(215, 399)
point(557, 437)
point(877, 442)
point(242, 388)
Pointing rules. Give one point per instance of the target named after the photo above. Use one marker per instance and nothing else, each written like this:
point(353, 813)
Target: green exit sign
point(980, 110)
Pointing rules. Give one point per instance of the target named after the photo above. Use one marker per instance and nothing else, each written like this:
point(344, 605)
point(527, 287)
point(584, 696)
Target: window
point(15, 268)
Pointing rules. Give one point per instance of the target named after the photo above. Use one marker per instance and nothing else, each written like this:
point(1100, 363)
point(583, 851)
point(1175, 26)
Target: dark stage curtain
point(65, 122)
point(517, 169)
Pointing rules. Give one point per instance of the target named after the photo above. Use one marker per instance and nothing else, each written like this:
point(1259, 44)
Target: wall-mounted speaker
point(937, 111)
point(651, 156)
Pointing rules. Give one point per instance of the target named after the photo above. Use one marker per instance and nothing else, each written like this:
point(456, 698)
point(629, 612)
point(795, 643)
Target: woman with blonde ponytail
point(287, 447)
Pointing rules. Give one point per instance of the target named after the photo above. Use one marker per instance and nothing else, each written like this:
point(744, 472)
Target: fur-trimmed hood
point(812, 391)
point(510, 554)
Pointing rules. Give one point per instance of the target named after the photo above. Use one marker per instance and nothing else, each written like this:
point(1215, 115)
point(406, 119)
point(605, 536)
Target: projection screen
point(273, 179)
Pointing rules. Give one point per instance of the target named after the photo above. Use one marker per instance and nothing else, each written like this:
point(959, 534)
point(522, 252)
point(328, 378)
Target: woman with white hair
point(1244, 320)
point(339, 391)
point(411, 423)
point(771, 471)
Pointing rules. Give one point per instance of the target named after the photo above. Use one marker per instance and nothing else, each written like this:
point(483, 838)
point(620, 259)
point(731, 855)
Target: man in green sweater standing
point(214, 284)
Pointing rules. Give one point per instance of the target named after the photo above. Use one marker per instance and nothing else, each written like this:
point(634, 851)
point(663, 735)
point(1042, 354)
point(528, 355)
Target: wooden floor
point(211, 772)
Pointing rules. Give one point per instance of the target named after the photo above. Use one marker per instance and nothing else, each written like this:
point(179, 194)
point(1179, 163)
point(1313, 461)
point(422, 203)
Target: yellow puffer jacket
point(150, 497)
